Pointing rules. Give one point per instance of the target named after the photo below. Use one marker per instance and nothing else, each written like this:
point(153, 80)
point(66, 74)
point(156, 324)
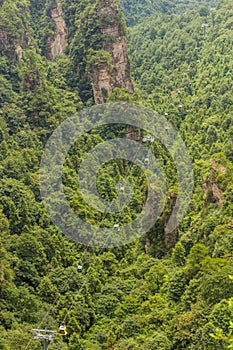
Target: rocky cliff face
point(59, 43)
point(12, 41)
point(212, 192)
point(104, 79)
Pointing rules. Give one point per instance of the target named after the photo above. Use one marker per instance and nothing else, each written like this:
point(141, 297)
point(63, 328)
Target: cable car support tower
point(45, 335)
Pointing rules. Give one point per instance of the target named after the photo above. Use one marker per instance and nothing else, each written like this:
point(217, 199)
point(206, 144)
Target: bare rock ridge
point(59, 43)
point(211, 189)
point(106, 77)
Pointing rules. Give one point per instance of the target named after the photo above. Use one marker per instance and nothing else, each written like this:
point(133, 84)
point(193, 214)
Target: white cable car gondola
point(148, 138)
point(116, 227)
point(80, 268)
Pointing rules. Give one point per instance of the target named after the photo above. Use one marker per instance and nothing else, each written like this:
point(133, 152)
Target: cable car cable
point(71, 274)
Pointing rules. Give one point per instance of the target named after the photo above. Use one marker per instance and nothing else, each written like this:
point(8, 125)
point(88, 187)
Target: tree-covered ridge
point(124, 298)
point(138, 10)
point(187, 73)
point(176, 68)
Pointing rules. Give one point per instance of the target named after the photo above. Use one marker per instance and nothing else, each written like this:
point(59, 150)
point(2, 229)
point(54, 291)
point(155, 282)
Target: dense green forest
point(139, 10)
point(152, 294)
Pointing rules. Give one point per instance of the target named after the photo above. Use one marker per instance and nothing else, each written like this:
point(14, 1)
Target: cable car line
point(51, 335)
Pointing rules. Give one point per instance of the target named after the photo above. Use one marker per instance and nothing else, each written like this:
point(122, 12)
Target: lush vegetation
point(138, 10)
point(161, 297)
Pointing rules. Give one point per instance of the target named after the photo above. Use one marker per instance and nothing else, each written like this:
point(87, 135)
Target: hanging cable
point(102, 248)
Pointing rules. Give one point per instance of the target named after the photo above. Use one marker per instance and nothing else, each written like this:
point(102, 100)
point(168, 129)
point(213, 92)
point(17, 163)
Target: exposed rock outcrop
point(133, 133)
point(104, 79)
point(212, 192)
point(19, 51)
point(12, 45)
point(171, 238)
point(59, 43)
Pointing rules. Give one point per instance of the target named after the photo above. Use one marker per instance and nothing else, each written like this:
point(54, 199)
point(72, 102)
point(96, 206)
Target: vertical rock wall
point(58, 45)
point(104, 80)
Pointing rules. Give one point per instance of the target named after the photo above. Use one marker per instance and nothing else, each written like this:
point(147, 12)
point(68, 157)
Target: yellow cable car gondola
point(62, 329)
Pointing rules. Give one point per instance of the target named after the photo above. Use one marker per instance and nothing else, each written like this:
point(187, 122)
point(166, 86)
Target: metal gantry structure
point(45, 335)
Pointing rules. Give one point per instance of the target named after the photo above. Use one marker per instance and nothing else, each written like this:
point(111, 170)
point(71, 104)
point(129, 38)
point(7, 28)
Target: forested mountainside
point(170, 293)
point(138, 10)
